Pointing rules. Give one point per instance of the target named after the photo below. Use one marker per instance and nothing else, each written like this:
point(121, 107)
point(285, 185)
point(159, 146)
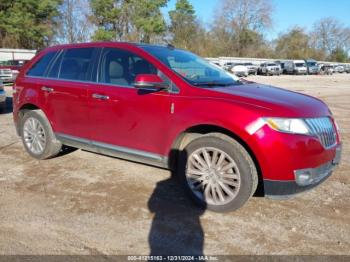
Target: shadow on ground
point(176, 227)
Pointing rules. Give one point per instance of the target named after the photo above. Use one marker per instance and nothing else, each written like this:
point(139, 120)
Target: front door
point(122, 116)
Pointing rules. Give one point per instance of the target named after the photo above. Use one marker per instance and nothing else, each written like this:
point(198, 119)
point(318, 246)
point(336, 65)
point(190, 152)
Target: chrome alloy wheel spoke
point(34, 135)
point(213, 175)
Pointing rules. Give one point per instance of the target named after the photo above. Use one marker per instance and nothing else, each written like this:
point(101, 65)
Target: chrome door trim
point(113, 150)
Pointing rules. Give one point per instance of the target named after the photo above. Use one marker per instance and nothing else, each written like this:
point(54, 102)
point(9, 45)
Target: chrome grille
point(5, 71)
point(324, 129)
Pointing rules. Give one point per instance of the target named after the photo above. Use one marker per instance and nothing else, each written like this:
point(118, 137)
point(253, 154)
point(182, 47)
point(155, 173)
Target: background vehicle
point(327, 69)
point(227, 66)
point(296, 67)
point(339, 69)
point(222, 136)
point(270, 69)
point(281, 65)
point(347, 69)
point(252, 69)
point(2, 95)
point(10, 69)
point(312, 66)
point(239, 70)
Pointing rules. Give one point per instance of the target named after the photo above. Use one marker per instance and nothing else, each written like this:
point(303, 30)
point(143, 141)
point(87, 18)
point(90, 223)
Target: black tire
point(52, 146)
point(247, 170)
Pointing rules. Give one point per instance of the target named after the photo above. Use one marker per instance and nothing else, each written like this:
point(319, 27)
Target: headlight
point(288, 125)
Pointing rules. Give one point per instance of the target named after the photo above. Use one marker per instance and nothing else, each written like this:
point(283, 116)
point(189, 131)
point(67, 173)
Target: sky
point(287, 13)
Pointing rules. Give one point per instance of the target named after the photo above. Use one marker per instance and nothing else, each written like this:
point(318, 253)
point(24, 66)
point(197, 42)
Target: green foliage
point(128, 19)
point(148, 18)
point(27, 23)
point(183, 25)
point(339, 55)
point(294, 44)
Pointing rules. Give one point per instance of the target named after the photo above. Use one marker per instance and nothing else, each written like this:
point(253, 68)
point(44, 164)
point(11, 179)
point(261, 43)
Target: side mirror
point(150, 81)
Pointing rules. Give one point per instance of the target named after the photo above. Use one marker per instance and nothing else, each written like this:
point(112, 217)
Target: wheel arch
point(193, 132)
point(20, 113)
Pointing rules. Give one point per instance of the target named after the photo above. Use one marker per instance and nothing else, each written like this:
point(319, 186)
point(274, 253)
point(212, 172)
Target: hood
point(278, 101)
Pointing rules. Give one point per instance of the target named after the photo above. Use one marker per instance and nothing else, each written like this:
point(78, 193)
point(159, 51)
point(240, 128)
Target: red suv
point(170, 108)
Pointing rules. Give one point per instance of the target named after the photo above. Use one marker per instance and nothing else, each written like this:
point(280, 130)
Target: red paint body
point(145, 121)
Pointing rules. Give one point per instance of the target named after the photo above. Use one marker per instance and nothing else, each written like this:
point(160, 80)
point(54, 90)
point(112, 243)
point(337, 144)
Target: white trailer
point(16, 54)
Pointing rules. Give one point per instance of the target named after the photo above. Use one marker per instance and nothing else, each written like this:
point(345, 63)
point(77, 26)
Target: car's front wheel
point(218, 172)
point(37, 136)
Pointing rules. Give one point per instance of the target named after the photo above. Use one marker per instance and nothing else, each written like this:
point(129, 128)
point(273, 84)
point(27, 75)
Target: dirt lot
point(83, 203)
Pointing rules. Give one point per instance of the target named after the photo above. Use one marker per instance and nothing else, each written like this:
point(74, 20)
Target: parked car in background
point(227, 66)
point(326, 69)
point(252, 69)
point(10, 69)
point(347, 68)
point(312, 67)
point(2, 95)
point(170, 108)
point(239, 70)
point(6, 75)
point(234, 77)
point(339, 69)
point(281, 65)
point(269, 68)
point(296, 67)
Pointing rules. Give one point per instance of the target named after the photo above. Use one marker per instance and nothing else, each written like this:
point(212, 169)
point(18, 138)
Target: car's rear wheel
point(218, 173)
point(37, 135)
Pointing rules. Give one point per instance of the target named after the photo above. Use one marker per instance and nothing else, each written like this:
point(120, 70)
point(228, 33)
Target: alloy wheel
point(34, 136)
point(213, 176)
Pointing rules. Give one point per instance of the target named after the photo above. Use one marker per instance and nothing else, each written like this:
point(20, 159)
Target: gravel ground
point(84, 203)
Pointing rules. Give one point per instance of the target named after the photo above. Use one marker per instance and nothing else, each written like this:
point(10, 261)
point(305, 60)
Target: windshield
point(271, 65)
point(300, 65)
point(311, 64)
point(191, 67)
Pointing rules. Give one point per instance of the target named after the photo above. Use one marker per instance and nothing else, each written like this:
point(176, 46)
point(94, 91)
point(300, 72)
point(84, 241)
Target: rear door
point(65, 90)
point(122, 115)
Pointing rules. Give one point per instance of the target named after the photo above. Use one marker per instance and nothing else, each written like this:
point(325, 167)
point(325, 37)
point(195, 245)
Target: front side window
point(76, 64)
point(120, 67)
point(191, 67)
point(40, 67)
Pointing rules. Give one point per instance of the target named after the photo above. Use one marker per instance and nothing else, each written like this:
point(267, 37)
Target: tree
point(148, 19)
point(183, 25)
point(107, 16)
point(27, 23)
point(73, 25)
point(339, 55)
point(242, 23)
point(330, 36)
point(293, 44)
point(135, 20)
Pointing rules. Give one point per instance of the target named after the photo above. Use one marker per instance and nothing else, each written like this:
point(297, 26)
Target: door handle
point(47, 89)
point(101, 97)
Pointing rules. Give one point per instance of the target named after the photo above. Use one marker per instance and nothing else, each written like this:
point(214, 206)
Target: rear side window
point(76, 64)
point(39, 68)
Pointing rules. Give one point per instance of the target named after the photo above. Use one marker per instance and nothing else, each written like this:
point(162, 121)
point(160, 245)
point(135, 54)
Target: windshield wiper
point(213, 83)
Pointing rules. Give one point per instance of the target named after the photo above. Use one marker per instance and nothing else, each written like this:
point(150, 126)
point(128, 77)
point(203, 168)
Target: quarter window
point(40, 67)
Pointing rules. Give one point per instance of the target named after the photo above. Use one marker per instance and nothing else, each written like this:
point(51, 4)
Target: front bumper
point(284, 189)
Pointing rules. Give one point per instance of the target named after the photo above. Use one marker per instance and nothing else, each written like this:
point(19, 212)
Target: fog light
point(303, 177)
